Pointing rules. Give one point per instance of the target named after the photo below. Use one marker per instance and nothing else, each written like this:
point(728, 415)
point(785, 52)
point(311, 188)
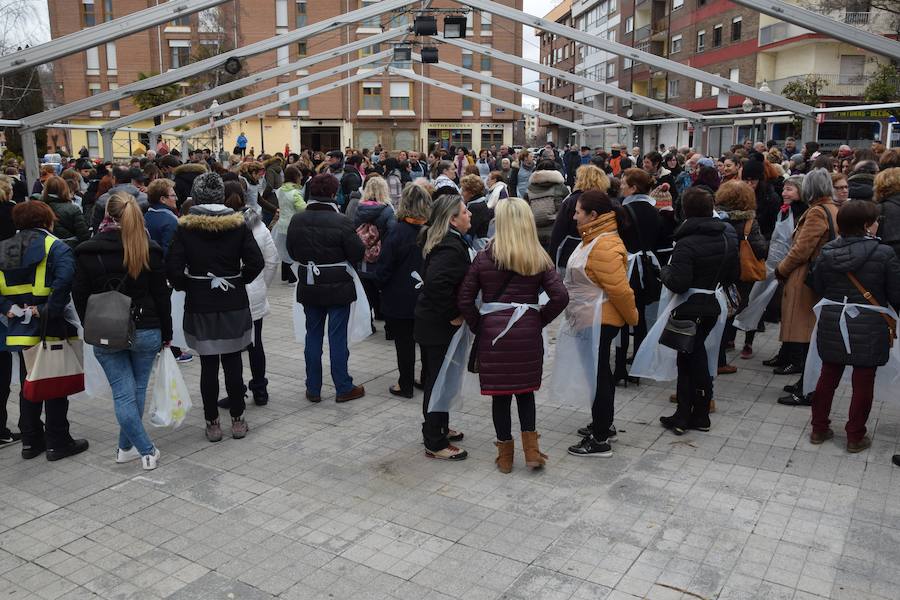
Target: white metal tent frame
point(58, 48)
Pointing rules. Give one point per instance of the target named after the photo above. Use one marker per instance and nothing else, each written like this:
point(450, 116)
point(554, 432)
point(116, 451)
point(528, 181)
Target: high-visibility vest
point(39, 288)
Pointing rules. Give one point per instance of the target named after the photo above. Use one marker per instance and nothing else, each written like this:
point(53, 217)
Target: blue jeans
point(128, 372)
point(339, 354)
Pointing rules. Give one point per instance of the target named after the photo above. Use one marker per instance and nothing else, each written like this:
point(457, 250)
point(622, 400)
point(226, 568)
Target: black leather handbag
point(679, 334)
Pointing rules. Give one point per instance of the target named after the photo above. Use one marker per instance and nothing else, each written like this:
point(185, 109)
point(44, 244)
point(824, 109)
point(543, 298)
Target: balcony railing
point(657, 48)
point(660, 26)
point(832, 84)
point(642, 32)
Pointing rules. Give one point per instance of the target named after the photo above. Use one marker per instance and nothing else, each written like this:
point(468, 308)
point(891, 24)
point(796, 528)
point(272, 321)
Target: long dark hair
point(600, 203)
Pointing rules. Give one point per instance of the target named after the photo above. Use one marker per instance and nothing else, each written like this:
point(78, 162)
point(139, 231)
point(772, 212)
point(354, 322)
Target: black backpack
point(109, 319)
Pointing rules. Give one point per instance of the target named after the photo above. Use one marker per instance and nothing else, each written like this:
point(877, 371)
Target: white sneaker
point(124, 456)
point(148, 461)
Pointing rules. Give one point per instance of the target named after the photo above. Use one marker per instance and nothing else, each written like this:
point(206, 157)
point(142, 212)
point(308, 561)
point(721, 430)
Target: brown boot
point(504, 458)
point(712, 406)
point(534, 458)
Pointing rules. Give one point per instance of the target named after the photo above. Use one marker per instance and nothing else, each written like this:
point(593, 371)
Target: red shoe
point(727, 370)
point(747, 352)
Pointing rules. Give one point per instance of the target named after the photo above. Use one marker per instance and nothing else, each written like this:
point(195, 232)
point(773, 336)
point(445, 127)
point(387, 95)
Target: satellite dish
point(629, 113)
point(233, 66)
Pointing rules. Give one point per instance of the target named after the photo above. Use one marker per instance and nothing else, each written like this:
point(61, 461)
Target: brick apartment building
point(719, 37)
point(390, 110)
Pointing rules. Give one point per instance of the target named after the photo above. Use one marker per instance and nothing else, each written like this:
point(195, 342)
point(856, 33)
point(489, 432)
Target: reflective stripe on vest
point(39, 287)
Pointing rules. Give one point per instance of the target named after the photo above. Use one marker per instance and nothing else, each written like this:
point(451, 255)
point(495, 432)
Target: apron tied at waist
point(633, 259)
point(313, 270)
point(518, 313)
point(217, 281)
point(415, 275)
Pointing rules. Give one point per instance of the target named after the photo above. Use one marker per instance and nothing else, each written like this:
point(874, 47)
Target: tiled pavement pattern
point(338, 501)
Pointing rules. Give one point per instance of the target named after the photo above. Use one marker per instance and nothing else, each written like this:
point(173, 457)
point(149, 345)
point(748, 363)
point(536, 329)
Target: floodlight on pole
point(429, 55)
point(425, 25)
point(455, 27)
point(402, 54)
point(747, 105)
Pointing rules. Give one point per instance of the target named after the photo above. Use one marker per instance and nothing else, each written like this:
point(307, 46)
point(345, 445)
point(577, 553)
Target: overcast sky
point(530, 45)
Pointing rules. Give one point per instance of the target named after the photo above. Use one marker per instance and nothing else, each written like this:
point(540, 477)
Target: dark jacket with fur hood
point(213, 239)
point(184, 176)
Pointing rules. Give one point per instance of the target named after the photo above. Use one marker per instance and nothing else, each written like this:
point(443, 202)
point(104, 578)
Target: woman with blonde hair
point(122, 256)
point(564, 238)
point(513, 269)
point(447, 256)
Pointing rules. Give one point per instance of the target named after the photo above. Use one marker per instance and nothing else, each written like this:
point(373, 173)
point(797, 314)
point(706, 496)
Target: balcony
point(833, 84)
point(657, 48)
point(642, 33)
point(875, 22)
point(660, 28)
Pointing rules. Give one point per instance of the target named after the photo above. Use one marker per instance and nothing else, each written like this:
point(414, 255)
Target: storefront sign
point(879, 114)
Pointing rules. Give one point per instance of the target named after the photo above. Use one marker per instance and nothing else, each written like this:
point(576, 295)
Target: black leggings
point(234, 384)
point(501, 410)
point(5, 380)
point(257, 355)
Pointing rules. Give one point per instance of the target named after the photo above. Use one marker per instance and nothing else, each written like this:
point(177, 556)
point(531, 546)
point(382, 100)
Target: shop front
point(470, 135)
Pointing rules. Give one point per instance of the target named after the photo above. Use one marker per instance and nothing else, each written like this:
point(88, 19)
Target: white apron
point(454, 381)
point(887, 377)
point(763, 291)
point(650, 309)
point(574, 377)
point(359, 325)
point(658, 362)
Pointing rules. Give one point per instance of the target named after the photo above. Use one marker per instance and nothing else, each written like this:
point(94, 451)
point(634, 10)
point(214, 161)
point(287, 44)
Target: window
point(466, 59)
point(371, 96)
point(627, 63)
point(210, 20)
point(303, 104)
point(400, 96)
point(466, 101)
point(371, 22)
point(485, 109)
point(470, 19)
point(676, 44)
point(485, 62)
point(629, 24)
point(370, 50)
point(93, 89)
point(717, 36)
point(211, 47)
point(611, 35)
point(852, 68)
point(301, 13)
point(179, 53)
point(701, 40)
point(283, 55)
point(734, 75)
point(88, 17)
point(676, 4)
point(182, 21)
point(713, 91)
point(301, 49)
point(114, 105)
point(610, 70)
point(612, 6)
point(736, 29)
point(107, 10)
point(673, 88)
point(610, 103)
point(399, 20)
point(698, 89)
point(93, 142)
point(486, 22)
point(92, 59)
point(281, 13)
point(111, 58)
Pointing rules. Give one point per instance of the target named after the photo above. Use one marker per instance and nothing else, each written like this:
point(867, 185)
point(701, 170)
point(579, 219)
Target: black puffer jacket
point(565, 237)
point(70, 226)
point(889, 227)
point(443, 272)
point(99, 268)
point(861, 186)
point(643, 233)
point(481, 217)
point(184, 176)
point(322, 235)
point(213, 239)
point(700, 260)
point(878, 270)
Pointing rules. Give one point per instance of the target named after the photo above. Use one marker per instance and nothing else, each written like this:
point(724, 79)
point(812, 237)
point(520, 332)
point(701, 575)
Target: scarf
point(109, 224)
point(414, 221)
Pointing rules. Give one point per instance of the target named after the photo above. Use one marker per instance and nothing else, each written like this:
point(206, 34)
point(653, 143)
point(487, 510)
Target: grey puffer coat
point(878, 270)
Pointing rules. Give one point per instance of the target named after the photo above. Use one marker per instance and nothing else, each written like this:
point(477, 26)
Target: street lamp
point(764, 88)
point(212, 119)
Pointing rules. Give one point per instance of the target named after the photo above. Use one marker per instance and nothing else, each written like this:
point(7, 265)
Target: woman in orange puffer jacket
point(599, 219)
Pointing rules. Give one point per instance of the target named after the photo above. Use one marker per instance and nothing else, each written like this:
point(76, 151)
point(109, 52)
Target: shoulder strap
point(831, 233)
point(871, 300)
point(724, 260)
point(748, 226)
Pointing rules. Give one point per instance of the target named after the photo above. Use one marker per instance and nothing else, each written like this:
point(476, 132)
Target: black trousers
point(640, 332)
point(53, 435)
point(234, 384)
point(694, 387)
point(405, 345)
point(603, 408)
point(502, 414)
point(287, 274)
point(5, 381)
point(435, 424)
point(257, 356)
point(373, 294)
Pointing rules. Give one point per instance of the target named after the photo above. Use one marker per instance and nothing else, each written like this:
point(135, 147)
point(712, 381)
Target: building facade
point(391, 110)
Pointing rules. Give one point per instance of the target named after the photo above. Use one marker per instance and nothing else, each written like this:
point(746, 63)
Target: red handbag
point(55, 370)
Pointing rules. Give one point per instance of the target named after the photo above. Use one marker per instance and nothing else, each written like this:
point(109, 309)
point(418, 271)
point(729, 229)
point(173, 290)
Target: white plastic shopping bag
point(178, 339)
point(170, 402)
point(96, 383)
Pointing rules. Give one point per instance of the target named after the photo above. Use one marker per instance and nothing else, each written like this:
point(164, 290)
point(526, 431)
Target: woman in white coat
point(257, 291)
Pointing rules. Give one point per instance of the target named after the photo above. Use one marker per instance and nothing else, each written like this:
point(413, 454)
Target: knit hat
point(797, 159)
point(706, 162)
point(662, 196)
point(753, 169)
point(208, 188)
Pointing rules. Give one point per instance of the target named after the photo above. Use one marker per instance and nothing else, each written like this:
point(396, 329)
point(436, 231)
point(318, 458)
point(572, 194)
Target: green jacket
point(71, 226)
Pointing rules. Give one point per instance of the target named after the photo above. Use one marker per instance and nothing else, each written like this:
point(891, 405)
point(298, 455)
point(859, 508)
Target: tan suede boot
point(534, 458)
point(505, 451)
point(712, 406)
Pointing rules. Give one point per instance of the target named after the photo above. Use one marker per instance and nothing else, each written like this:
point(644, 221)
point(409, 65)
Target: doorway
point(320, 138)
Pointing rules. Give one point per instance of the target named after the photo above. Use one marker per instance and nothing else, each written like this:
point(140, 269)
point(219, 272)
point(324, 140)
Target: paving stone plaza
point(338, 501)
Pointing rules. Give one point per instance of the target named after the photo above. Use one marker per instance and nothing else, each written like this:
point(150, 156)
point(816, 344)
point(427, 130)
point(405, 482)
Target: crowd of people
point(666, 254)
